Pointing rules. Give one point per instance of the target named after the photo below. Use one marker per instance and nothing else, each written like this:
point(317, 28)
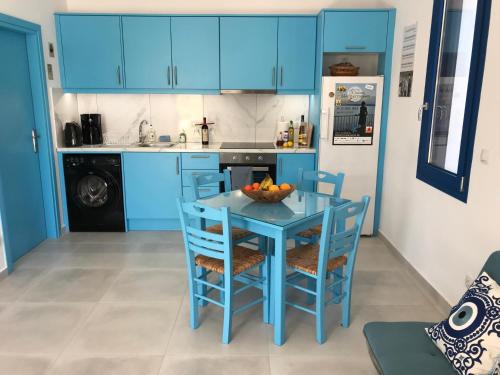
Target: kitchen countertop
point(182, 147)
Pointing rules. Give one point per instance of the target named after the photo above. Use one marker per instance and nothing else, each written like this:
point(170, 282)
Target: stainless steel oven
point(248, 167)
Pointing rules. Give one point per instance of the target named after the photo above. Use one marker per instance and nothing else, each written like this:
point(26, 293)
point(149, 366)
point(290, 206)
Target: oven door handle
point(255, 169)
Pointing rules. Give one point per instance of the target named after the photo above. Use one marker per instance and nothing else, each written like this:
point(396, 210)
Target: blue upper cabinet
point(147, 52)
point(296, 53)
point(90, 51)
point(248, 52)
point(195, 53)
point(289, 165)
point(355, 31)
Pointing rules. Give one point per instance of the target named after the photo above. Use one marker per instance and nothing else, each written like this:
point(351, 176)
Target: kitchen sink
point(156, 144)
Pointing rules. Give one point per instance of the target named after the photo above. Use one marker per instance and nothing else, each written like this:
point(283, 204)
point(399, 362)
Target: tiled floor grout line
point(80, 326)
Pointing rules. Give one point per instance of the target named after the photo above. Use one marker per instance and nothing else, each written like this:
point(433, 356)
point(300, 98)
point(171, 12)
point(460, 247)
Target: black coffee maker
point(91, 128)
point(72, 134)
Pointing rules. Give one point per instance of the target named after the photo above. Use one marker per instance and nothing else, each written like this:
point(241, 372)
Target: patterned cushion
point(243, 259)
point(237, 233)
point(470, 337)
point(305, 258)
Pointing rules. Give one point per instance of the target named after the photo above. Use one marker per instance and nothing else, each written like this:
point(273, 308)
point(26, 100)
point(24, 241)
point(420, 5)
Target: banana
point(266, 182)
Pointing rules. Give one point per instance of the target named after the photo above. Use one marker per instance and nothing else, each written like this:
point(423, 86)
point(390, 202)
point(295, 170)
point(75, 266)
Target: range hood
point(248, 91)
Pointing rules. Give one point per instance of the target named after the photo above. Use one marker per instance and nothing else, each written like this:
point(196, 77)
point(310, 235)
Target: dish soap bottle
point(204, 132)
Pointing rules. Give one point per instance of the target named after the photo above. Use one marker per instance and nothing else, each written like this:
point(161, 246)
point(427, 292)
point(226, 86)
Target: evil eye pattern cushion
point(470, 337)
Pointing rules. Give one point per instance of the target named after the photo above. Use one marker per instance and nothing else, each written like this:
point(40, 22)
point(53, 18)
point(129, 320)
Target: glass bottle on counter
point(302, 133)
point(279, 141)
point(291, 133)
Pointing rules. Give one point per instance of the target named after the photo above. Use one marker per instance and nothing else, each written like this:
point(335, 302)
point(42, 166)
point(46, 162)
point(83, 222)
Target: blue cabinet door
point(152, 182)
point(248, 52)
point(289, 165)
point(195, 52)
point(346, 31)
point(90, 51)
point(147, 52)
point(296, 53)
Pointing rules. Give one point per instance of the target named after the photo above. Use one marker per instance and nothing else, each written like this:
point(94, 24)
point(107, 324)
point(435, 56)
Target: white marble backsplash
point(245, 117)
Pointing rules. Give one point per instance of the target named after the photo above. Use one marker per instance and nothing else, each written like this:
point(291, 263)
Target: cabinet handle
point(281, 167)
point(119, 75)
point(175, 75)
point(200, 156)
point(168, 75)
point(177, 165)
point(355, 47)
point(281, 76)
point(274, 76)
point(203, 189)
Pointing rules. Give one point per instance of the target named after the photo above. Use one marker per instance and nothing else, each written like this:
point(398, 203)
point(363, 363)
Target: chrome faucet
point(142, 136)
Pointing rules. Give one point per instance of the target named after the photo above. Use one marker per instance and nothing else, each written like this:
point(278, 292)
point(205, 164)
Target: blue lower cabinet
point(152, 182)
point(289, 165)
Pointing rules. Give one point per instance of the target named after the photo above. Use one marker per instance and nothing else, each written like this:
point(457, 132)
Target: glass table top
point(297, 206)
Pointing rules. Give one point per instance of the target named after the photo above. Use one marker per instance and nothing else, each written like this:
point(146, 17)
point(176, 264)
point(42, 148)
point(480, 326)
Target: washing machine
point(94, 192)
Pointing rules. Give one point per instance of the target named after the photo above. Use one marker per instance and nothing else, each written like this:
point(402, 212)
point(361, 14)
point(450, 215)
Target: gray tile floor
point(115, 304)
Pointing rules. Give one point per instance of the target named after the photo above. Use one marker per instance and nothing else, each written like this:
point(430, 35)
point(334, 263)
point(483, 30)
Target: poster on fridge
point(354, 118)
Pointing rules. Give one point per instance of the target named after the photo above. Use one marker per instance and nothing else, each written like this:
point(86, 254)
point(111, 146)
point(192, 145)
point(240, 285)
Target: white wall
point(443, 238)
point(216, 6)
point(42, 13)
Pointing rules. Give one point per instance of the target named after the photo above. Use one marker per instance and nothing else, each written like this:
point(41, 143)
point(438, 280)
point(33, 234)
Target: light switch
point(485, 155)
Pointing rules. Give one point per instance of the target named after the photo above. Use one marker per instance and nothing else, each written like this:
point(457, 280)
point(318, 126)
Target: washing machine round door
point(92, 191)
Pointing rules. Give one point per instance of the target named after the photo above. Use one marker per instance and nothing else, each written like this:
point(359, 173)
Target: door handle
point(168, 75)
point(177, 165)
point(200, 156)
point(281, 76)
point(175, 75)
point(355, 47)
point(34, 139)
point(421, 109)
point(273, 80)
point(119, 75)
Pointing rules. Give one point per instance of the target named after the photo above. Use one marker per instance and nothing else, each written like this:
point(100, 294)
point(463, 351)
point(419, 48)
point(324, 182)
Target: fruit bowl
point(268, 196)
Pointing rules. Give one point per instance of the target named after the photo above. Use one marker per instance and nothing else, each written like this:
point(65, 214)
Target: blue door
point(21, 201)
point(248, 52)
point(289, 165)
point(147, 52)
point(355, 31)
point(296, 53)
point(152, 182)
point(90, 51)
point(195, 53)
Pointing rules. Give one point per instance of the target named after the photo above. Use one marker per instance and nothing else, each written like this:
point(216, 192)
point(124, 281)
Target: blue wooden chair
point(208, 253)
point(311, 235)
point(207, 178)
point(333, 259)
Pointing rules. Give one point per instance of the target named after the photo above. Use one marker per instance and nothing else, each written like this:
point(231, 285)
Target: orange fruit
point(285, 186)
point(255, 185)
point(274, 188)
point(248, 188)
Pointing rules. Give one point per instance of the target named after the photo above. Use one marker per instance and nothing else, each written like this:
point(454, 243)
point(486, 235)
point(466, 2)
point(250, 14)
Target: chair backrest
point(492, 266)
point(337, 180)
point(341, 233)
point(207, 178)
point(197, 240)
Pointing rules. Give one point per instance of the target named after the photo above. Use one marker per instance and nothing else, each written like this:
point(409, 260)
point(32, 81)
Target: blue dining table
point(278, 222)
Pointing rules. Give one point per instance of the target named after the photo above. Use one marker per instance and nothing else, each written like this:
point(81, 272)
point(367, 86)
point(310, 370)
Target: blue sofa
point(404, 347)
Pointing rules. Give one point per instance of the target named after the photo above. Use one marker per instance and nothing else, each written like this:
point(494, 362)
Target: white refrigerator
point(351, 109)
